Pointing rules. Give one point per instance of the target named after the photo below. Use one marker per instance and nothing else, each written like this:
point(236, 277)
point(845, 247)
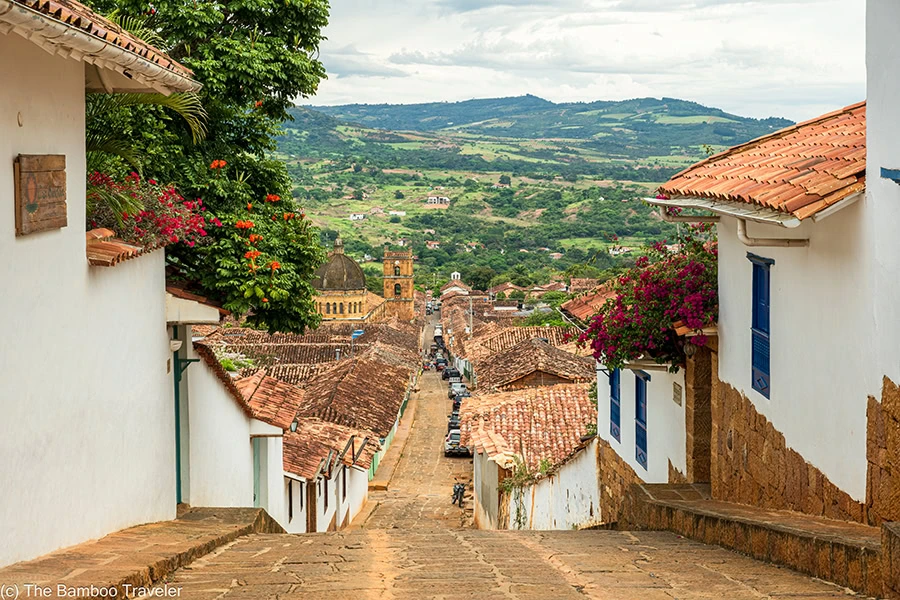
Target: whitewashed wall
point(823, 359)
point(485, 491)
point(297, 523)
point(357, 494)
point(221, 455)
point(325, 515)
point(564, 500)
point(883, 195)
point(272, 475)
point(86, 417)
point(666, 439)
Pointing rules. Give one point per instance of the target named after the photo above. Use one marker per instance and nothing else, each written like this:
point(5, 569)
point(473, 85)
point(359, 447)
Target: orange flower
point(275, 265)
point(255, 238)
point(273, 198)
point(288, 216)
point(259, 103)
point(244, 225)
point(218, 164)
point(249, 206)
point(265, 299)
point(253, 254)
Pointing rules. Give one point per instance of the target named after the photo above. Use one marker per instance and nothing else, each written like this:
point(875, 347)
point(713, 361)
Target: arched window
point(398, 291)
point(342, 308)
point(327, 308)
point(397, 270)
point(334, 308)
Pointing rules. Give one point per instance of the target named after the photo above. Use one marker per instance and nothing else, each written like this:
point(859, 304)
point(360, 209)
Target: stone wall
point(751, 464)
point(697, 412)
point(615, 477)
point(676, 476)
point(883, 456)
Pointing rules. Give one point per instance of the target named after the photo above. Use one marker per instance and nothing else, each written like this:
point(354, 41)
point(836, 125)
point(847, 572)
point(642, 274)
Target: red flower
point(273, 198)
point(265, 300)
point(275, 265)
point(253, 254)
point(249, 206)
point(217, 164)
point(255, 238)
point(259, 103)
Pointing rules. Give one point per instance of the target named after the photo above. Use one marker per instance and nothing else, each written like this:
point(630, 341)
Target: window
point(344, 483)
point(759, 327)
point(342, 308)
point(640, 417)
point(398, 290)
point(301, 487)
point(327, 308)
point(615, 405)
point(326, 493)
point(290, 500)
point(397, 270)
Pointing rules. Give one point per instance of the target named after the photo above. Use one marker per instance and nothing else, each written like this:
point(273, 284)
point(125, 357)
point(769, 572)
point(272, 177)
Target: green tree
point(399, 195)
point(505, 180)
point(254, 58)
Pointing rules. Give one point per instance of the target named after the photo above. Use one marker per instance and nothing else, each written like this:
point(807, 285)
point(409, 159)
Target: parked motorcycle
point(459, 489)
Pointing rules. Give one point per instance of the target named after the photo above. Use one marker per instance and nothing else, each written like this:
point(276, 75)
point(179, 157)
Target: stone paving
point(413, 544)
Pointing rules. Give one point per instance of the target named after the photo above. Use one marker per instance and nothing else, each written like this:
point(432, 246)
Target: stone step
point(141, 556)
point(848, 554)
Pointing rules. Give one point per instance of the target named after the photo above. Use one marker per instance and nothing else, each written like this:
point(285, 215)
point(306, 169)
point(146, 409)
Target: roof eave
point(740, 210)
point(59, 38)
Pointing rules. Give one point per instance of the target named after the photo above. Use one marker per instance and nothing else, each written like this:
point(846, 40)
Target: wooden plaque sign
point(40, 192)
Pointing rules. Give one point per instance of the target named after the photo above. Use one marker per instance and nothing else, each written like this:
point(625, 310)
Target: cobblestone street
point(413, 544)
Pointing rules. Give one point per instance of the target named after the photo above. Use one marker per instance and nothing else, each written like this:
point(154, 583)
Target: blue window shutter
point(760, 325)
point(640, 418)
point(615, 405)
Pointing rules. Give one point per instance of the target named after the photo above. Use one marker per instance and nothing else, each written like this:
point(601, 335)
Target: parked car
point(450, 372)
point(456, 388)
point(453, 422)
point(452, 447)
point(440, 364)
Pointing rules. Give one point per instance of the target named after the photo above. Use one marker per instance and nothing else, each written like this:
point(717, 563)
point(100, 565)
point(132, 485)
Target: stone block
point(759, 542)
point(839, 564)
point(823, 559)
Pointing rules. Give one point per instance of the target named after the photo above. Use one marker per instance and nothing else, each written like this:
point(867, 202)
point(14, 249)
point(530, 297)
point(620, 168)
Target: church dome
point(340, 272)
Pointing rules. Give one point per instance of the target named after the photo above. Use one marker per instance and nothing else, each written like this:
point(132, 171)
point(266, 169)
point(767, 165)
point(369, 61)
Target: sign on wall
point(676, 393)
point(40, 192)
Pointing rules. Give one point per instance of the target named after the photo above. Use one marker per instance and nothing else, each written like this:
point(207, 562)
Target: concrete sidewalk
point(128, 560)
point(391, 459)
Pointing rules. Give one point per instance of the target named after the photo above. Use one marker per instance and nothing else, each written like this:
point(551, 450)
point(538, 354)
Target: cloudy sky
point(788, 58)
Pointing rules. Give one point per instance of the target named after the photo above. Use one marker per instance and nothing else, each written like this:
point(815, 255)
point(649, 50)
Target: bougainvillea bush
point(668, 285)
point(144, 213)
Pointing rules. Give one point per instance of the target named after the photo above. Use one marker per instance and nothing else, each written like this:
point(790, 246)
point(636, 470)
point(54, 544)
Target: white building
point(807, 272)
point(397, 213)
point(86, 417)
point(358, 216)
point(437, 200)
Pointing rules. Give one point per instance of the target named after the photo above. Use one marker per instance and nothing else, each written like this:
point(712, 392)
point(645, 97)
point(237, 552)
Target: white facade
point(357, 217)
point(295, 503)
point(882, 221)
point(666, 437)
point(820, 341)
point(86, 418)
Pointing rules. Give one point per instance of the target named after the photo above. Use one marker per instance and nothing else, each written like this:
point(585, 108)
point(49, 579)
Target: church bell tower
point(398, 285)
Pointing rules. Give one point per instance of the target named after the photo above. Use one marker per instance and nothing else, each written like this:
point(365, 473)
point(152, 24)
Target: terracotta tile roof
point(209, 358)
point(299, 375)
point(103, 249)
point(799, 170)
point(307, 448)
point(535, 423)
point(271, 401)
point(139, 58)
point(359, 393)
point(532, 356)
point(578, 285)
point(505, 288)
point(373, 301)
point(510, 336)
point(587, 305)
point(179, 290)
point(455, 283)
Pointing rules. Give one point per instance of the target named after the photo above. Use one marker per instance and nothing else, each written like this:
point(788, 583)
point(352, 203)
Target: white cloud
point(792, 58)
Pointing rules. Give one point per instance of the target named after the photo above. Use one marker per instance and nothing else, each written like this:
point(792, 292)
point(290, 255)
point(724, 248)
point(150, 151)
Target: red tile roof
point(271, 401)
point(587, 305)
point(80, 18)
point(799, 170)
point(578, 285)
point(510, 336)
point(534, 423)
point(359, 393)
point(307, 448)
point(528, 357)
point(103, 249)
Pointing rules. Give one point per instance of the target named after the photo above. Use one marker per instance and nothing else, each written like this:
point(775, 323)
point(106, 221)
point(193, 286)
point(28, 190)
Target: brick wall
point(751, 464)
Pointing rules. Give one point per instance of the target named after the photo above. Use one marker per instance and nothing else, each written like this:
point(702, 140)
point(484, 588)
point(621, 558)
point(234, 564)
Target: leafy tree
point(505, 180)
point(399, 195)
point(254, 58)
point(479, 278)
point(517, 295)
point(395, 219)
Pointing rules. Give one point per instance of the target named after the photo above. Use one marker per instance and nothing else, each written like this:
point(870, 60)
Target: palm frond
point(116, 203)
point(187, 105)
point(107, 144)
point(140, 27)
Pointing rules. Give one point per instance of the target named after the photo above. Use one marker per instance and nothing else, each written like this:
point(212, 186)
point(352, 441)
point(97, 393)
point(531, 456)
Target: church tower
point(398, 285)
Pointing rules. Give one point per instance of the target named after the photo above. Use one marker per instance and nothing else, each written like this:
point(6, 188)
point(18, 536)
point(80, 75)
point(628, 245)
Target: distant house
point(556, 255)
point(532, 363)
point(432, 244)
point(437, 200)
point(376, 210)
point(429, 232)
point(358, 217)
point(578, 285)
point(403, 242)
point(619, 250)
point(397, 213)
point(505, 288)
